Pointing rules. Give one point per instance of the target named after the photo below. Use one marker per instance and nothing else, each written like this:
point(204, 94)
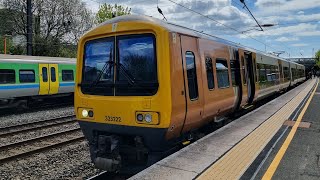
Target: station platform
point(278, 140)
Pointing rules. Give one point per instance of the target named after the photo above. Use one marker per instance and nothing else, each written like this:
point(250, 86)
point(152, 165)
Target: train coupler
point(107, 153)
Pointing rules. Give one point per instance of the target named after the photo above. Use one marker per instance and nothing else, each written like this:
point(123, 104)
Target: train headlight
point(85, 113)
point(148, 118)
point(140, 117)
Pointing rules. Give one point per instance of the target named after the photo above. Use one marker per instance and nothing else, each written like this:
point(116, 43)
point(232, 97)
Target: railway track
point(37, 125)
point(11, 151)
point(27, 147)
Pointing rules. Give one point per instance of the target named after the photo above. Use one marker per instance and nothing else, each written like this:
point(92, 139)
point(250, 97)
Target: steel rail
point(10, 130)
point(45, 146)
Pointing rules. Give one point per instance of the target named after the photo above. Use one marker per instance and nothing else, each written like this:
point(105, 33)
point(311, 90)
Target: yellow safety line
point(276, 161)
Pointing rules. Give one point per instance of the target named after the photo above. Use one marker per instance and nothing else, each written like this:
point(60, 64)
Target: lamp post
point(5, 43)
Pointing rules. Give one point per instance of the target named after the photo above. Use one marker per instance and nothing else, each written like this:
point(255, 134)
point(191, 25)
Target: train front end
point(122, 94)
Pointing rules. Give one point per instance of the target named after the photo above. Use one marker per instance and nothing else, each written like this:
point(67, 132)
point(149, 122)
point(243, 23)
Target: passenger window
point(222, 73)
point(27, 76)
point(53, 74)
point(269, 73)
point(7, 76)
point(262, 73)
point(67, 75)
point(191, 75)
point(209, 70)
point(44, 74)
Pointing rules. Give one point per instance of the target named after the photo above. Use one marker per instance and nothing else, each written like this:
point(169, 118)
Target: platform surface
point(302, 157)
point(228, 152)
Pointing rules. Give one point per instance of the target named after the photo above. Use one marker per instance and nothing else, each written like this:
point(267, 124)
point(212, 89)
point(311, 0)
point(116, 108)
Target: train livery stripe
point(20, 86)
point(26, 86)
point(66, 84)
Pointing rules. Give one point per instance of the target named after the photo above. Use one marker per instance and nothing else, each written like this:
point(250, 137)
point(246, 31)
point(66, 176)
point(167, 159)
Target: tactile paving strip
point(233, 164)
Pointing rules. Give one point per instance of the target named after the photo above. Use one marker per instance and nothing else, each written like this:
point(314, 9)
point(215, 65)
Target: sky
point(295, 30)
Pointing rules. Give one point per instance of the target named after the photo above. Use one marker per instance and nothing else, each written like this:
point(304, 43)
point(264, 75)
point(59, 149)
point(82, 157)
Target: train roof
point(184, 30)
point(36, 59)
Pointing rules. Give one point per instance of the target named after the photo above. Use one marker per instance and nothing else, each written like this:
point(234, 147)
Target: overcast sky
point(296, 30)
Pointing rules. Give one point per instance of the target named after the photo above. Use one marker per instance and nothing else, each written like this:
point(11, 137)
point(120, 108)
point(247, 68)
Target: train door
point(236, 77)
point(54, 79)
point(243, 72)
point(193, 85)
point(44, 79)
point(49, 82)
point(250, 76)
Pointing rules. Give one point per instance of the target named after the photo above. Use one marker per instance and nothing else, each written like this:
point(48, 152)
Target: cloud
point(303, 29)
point(299, 45)
point(220, 14)
point(286, 39)
point(285, 6)
point(301, 12)
point(296, 20)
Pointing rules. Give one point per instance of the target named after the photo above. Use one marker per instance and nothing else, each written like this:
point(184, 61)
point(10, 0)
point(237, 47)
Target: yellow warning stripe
point(276, 161)
point(233, 164)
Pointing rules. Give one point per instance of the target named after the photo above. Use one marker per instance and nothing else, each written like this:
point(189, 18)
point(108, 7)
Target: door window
point(209, 70)
point(53, 74)
point(44, 74)
point(243, 71)
point(192, 75)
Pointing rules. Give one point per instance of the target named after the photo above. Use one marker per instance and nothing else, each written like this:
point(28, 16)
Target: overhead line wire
point(196, 12)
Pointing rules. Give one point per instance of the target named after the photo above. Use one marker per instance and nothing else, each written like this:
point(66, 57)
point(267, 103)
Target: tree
point(317, 56)
point(107, 11)
point(55, 23)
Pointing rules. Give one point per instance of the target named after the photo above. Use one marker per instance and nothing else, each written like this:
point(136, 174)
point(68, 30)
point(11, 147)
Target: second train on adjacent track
point(145, 85)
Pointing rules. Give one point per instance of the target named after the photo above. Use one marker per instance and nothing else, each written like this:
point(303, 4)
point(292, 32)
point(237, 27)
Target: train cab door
point(250, 75)
point(54, 79)
point(44, 79)
point(192, 80)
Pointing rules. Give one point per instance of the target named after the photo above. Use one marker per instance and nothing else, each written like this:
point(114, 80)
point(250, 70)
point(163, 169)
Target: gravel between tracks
point(24, 136)
point(67, 162)
point(35, 116)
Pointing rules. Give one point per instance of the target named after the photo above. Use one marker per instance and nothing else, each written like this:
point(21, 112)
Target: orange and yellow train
point(144, 85)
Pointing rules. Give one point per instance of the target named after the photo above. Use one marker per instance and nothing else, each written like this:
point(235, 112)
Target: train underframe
point(125, 149)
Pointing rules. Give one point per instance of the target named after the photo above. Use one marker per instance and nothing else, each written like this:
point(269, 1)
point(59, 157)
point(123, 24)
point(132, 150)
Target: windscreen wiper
point(126, 74)
point(109, 62)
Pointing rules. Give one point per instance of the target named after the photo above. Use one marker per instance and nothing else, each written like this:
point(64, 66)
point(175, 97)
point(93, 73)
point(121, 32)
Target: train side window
point(7, 76)
point(286, 74)
point(293, 73)
point(192, 75)
point(27, 76)
point(269, 73)
point(262, 73)
point(67, 75)
point(222, 73)
point(209, 70)
point(44, 74)
point(53, 74)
